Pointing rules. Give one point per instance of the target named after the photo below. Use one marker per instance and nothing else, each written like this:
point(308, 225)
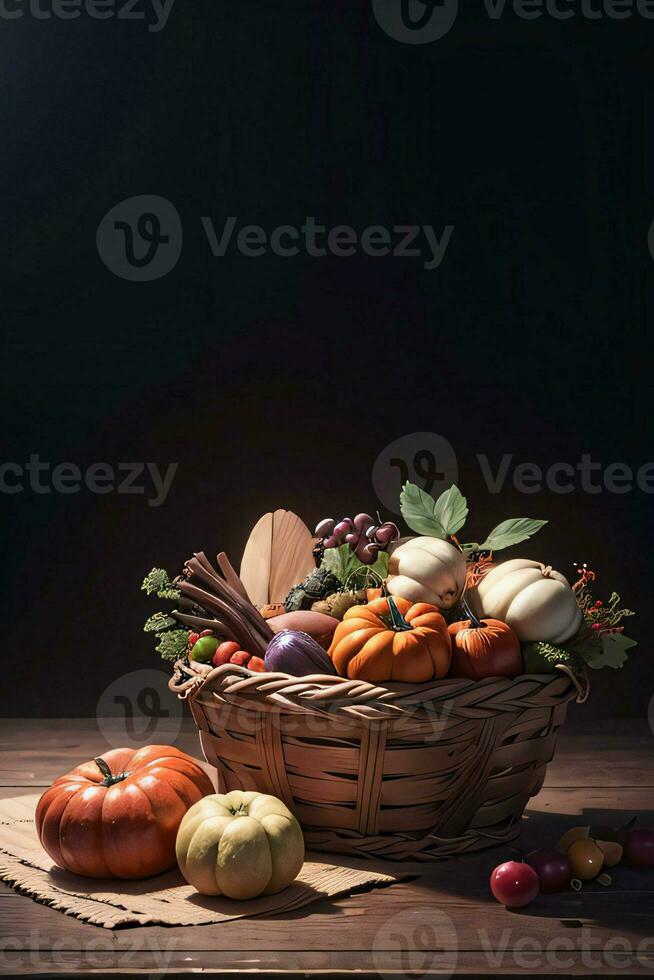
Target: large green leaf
point(380, 567)
point(419, 511)
point(614, 647)
point(340, 561)
point(343, 563)
point(510, 532)
point(451, 510)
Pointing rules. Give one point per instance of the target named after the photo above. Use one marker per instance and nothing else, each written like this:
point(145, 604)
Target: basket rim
point(393, 699)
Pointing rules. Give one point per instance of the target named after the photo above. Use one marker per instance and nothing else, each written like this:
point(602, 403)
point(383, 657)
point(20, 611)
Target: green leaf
point(341, 562)
point(419, 511)
point(380, 567)
point(451, 510)
point(172, 644)
point(158, 581)
point(172, 594)
point(542, 658)
point(510, 532)
point(344, 564)
point(614, 647)
point(159, 622)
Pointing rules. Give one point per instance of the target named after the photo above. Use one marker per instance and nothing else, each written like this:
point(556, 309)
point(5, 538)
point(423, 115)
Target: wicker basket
point(403, 771)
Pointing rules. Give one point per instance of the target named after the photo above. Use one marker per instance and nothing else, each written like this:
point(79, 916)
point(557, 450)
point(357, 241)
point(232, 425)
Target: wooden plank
point(49, 747)
point(444, 921)
point(456, 918)
point(527, 963)
point(618, 754)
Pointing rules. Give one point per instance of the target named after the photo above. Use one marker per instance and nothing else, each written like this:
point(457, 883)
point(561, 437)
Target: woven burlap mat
point(164, 900)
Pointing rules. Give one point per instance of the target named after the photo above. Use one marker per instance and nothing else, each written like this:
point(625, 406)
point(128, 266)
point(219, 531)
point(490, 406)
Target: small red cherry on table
point(639, 848)
point(514, 884)
point(552, 867)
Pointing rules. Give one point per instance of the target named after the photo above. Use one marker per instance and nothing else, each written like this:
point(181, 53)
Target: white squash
point(426, 569)
point(533, 599)
point(239, 844)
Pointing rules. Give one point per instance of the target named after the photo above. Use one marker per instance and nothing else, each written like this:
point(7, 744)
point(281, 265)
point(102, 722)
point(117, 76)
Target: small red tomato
point(224, 652)
point(639, 848)
point(514, 884)
point(206, 633)
point(552, 867)
point(257, 664)
point(193, 639)
point(240, 658)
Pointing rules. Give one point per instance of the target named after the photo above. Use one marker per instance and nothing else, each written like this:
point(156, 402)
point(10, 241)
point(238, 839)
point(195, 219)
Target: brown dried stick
point(247, 638)
point(231, 577)
point(201, 622)
point(199, 565)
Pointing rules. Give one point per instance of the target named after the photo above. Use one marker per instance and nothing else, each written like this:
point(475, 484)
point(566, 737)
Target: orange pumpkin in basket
point(484, 648)
point(118, 816)
point(392, 639)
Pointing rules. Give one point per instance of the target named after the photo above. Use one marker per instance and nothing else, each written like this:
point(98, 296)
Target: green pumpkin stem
point(468, 613)
point(109, 778)
point(398, 622)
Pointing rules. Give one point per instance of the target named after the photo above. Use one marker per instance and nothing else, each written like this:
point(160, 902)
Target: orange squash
point(117, 816)
point(484, 648)
point(392, 639)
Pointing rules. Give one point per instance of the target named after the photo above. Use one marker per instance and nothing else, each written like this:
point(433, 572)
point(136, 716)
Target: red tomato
point(514, 884)
point(193, 639)
point(240, 658)
point(224, 652)
point(256, 664)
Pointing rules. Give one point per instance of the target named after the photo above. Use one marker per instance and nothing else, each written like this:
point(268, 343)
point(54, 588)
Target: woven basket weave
point(402, 771)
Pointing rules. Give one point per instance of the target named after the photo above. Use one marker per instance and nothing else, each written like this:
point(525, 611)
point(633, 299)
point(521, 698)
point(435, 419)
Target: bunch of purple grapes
point(365, 538)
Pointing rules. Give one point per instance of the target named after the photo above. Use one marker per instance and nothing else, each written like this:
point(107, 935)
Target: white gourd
point(426, 569)
point(536, 601)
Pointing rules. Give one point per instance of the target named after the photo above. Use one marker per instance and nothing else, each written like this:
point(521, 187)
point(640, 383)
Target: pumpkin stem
point(398, 622)
point(109, 778)
point(474, 622)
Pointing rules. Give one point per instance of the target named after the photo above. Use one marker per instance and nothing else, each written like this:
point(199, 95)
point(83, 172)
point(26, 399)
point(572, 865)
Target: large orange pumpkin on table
point(392, 639)
point(118, 815)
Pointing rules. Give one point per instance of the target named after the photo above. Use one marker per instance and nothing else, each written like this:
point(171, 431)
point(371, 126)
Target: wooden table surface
point(442, 922)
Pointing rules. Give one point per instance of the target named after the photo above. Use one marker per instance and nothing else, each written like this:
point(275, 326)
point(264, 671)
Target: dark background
point(277, 381)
